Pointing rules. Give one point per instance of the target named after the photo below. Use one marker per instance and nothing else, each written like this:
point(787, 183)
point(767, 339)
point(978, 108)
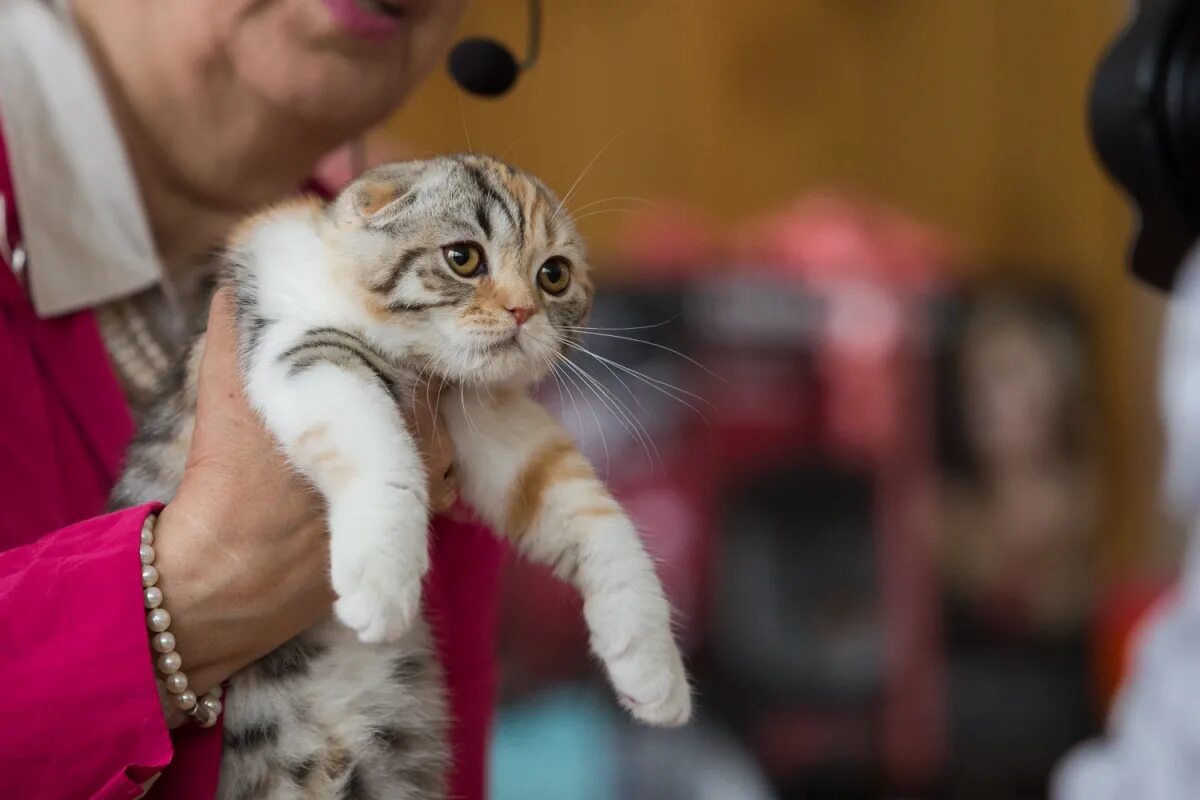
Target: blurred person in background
point(1020, 490)
point(133, 135)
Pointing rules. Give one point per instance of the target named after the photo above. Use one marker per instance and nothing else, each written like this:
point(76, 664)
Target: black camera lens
point(1145, 121)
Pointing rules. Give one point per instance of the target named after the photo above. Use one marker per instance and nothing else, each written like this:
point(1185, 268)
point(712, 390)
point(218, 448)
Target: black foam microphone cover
point(483, 67)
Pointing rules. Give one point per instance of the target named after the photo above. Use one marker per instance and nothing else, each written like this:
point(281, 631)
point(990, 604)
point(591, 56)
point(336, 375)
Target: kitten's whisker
point(595, 419)
point(413, 399)
point(663, 347)
point(654, 383)
point(614, 199)
point(567, 197)
point(632, 393)
point(438, 401)
point(600, 211)
point(590, 329)
point(642, 376)
point(575, 370)
point(545, 362)
point(623, 418)
point(563, 379)
point(613, 372)
point(462, 398)
point(549, 351)
point(462, 112)
point(510, 147)
point(427, 370)
point(619, 410)
point(624, 406)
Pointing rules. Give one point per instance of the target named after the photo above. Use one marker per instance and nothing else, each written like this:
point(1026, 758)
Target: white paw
point(650, 681)
point(380, 613)
point(376, 573)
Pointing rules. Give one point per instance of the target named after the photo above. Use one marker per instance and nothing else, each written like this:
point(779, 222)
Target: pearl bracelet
point(204, 710)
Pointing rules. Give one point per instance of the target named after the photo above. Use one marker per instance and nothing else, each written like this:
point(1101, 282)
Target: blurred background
point(867, 370)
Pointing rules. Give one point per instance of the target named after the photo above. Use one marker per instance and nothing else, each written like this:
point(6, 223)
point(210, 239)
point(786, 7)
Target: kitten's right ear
point(377, 194)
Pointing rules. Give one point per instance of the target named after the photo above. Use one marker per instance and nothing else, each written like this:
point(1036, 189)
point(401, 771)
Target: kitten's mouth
point(503, 343)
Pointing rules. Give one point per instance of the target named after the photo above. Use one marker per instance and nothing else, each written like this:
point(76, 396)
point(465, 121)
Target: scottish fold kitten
point(460, 267)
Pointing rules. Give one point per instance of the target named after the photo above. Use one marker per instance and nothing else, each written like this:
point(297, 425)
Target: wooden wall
point(966, 113)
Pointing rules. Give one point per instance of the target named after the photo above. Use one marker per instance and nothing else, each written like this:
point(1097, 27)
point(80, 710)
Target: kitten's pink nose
point(522, 313)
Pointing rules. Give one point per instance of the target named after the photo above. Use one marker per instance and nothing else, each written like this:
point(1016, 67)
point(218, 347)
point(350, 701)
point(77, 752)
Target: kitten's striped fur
point(341, 307)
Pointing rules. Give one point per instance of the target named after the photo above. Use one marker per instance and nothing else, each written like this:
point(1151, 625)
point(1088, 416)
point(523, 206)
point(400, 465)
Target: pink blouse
point(80, 714)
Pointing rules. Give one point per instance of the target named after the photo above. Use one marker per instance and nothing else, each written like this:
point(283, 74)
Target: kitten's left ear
point(377, 194)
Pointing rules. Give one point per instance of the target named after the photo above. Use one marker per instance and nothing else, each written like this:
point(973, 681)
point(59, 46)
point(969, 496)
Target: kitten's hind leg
point(328, 398)
point(520, 470)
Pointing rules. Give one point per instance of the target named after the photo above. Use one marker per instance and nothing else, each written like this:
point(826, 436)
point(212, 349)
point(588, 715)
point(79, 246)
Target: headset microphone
point(487, 68)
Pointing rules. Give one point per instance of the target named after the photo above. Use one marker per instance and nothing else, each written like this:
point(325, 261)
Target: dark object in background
point(1019, 512)
point(1145, 120)
point(800, 542)
point(486, 68)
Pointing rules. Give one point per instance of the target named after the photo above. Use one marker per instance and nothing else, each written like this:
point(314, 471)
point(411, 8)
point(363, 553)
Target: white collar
point(82, 220)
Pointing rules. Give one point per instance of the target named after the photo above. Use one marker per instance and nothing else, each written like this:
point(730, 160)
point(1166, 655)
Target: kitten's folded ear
point(377, 194)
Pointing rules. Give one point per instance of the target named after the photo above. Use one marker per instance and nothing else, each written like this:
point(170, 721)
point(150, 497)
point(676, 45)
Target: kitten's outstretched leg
point(327, 396)
point(519, 469)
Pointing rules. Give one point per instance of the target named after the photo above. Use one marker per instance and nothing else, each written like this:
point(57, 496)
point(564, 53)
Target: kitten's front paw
point(377, 578)
point(378, 614)
point(650, 680)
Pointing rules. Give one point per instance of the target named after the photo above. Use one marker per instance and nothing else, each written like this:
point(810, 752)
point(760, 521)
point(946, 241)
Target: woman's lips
point(368, 19)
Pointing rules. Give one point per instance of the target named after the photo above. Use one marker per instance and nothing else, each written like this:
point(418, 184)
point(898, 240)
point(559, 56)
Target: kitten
point(468, 269)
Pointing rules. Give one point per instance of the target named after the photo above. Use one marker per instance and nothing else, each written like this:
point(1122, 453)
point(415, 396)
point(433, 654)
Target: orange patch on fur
point(539, 209)
point(519, 188)
point(576, 472)
point(374, 196)
point(369, 301)
point(371, 304)
point(487, 294)
point(325, 461)
point(307, 203)
point(311, 435)
point(484, 302)
point(544, 468)
point(598, 511)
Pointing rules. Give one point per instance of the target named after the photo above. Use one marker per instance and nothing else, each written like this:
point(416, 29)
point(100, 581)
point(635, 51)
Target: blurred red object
point(877, 269)
point(672, 241)
point(1122, 616)
point(827, 238)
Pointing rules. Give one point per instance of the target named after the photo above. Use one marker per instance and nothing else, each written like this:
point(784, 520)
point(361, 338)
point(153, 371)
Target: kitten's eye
point(465, 258)
point(555, 275)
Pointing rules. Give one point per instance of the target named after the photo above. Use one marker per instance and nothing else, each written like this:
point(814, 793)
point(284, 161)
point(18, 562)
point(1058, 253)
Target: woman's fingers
point(218, 364)
point(445, 494)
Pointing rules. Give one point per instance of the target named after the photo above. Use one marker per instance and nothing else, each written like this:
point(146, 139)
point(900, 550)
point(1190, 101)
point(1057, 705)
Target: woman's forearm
point(82, 714)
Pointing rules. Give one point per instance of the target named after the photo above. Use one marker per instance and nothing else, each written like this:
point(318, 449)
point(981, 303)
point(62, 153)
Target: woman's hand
point(243, 550)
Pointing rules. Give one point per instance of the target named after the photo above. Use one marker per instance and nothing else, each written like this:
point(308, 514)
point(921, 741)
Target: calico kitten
point(468, 269)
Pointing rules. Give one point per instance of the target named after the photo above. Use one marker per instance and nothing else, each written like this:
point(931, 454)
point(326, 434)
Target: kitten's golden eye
point(555, 275)
point(465, 258)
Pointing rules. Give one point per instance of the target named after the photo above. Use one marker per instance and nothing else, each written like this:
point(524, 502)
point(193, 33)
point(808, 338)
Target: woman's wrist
point(233, 598)
point(176, 691)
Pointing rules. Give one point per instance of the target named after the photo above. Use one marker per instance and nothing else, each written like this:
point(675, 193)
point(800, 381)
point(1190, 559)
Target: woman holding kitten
point(132, 136)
